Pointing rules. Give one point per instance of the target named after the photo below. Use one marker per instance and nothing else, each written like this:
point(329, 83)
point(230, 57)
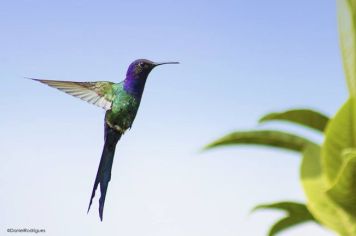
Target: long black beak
point(163, 63)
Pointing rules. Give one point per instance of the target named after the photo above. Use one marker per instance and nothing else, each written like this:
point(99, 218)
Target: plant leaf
point(344, 189)
point(306, 117)
point(346, 24)
point(346, 13)
point(297, 213)
point(320, 204)
point(339, 136)
point(271, 138)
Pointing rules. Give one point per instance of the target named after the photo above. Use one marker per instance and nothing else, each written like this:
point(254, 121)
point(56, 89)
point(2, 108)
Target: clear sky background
point(239, 60)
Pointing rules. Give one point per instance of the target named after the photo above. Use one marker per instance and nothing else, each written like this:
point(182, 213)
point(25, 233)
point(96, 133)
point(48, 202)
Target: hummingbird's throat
point(135, 85)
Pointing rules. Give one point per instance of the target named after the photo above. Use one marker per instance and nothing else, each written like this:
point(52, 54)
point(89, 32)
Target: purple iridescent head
point(137, 74)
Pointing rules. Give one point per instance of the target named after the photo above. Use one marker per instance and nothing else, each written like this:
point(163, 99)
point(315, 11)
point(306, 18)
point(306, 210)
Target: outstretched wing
point(97, 93)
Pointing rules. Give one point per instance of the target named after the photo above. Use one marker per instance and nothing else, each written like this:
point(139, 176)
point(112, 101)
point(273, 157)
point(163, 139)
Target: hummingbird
point(121, 102)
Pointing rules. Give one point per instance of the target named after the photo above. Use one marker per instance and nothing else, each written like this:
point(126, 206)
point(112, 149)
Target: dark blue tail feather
point(104, 171)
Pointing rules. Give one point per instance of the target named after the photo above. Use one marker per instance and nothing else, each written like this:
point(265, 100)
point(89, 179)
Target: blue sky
point(239, 60)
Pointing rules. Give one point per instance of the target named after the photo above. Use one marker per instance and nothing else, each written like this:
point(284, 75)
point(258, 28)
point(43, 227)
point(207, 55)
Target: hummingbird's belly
point(121, 117)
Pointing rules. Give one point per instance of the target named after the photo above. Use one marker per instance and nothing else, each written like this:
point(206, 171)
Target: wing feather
point(98, 93)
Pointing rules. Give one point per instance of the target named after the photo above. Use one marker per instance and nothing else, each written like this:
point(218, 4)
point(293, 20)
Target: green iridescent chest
point(123, 110)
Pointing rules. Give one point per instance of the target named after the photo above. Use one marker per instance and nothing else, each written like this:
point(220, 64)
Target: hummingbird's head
point(140, 68)
point(137, 74)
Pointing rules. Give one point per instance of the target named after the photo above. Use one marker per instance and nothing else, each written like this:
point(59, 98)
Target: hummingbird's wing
point(97, 93)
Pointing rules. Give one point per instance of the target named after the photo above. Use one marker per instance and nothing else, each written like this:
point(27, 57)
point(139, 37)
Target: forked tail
point(104, 171)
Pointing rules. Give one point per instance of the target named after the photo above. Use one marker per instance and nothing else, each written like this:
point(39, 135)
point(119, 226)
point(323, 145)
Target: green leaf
point(271, 138)
point(339, 136)
point(297, 213)
point(320, 204)
point(305, 117)
point(344, 189)
point(346, 24)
